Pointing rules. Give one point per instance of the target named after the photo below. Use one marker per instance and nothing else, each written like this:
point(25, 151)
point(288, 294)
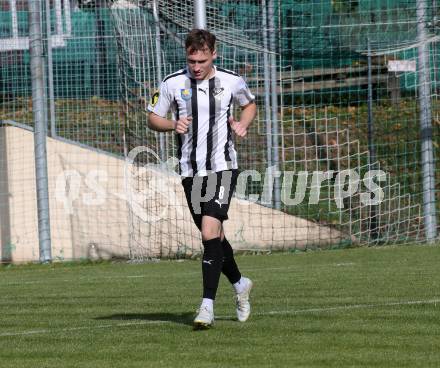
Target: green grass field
point(369, 307)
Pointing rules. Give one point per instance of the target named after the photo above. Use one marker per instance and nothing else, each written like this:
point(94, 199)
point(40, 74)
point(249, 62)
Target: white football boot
point(204, 319)
point(242, 301)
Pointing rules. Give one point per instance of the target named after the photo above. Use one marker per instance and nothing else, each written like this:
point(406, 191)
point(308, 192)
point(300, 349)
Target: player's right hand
point(182, 124)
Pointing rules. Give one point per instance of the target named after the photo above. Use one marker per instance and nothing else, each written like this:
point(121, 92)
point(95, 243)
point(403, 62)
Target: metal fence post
point(428, 165)
point(273, 77)
point(371, 148)
point(267, 111)
point(53, 129)
point(162, 141)
point(37, 68)
point(200, 14)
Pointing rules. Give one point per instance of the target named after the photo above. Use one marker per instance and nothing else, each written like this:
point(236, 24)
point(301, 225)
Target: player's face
point(200, 63)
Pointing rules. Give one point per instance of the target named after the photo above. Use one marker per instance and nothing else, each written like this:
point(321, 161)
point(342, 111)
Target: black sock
point(230, 268)
point(211, 266)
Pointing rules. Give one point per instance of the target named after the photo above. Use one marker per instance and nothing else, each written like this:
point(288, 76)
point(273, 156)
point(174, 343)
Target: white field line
point(71, 329)
point(351, 306)
point(151, 275)
point(268, 313)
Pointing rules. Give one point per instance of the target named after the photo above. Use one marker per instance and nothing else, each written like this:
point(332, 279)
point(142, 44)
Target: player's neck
point(211, 73)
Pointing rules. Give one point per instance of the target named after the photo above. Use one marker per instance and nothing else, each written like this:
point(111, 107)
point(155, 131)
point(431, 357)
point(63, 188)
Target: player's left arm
point(248, 113)
point(243, 97)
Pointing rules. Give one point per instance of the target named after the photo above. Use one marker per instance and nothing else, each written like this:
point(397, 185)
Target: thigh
point(188, 184)
point(211, 228)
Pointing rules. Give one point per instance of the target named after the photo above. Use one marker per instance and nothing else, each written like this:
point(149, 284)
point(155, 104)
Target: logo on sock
point(208, 262)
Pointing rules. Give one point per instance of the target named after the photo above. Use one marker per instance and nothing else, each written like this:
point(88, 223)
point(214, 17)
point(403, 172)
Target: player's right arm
point(159, 106)
point(160, 124)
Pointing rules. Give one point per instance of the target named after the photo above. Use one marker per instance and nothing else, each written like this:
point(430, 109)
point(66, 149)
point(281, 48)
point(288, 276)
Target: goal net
point(338, 187)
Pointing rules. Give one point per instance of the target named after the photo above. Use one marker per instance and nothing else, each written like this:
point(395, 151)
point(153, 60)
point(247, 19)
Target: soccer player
point(201, 97)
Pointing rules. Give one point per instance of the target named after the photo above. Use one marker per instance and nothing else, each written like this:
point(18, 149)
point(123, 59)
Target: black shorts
point(210, 195)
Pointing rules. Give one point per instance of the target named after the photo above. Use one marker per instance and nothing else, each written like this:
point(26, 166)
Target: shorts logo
point(186, 94)
point(154, 98)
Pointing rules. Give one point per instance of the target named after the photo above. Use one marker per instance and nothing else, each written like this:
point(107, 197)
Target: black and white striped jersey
point(208, 145)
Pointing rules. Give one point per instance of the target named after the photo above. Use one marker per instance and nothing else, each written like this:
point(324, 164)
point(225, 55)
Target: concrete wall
point(95, 215)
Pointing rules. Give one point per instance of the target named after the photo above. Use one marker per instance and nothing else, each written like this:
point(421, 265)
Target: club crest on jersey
point(186, 94)
point(217, 92)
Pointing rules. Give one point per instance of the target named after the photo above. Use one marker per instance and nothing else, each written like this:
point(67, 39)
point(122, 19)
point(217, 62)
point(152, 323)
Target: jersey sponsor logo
point(186, 94)
point(154, 98)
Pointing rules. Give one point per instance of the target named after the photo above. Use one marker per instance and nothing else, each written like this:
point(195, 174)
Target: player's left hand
point(238, 127)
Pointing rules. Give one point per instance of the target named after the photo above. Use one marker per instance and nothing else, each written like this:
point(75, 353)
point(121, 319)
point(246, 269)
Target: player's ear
point(214, 54)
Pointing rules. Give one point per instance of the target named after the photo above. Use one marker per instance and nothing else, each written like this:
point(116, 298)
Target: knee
point(209, 233)
point(210, 230)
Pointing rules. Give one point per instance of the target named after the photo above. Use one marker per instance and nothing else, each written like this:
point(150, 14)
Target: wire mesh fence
point(337, 84)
